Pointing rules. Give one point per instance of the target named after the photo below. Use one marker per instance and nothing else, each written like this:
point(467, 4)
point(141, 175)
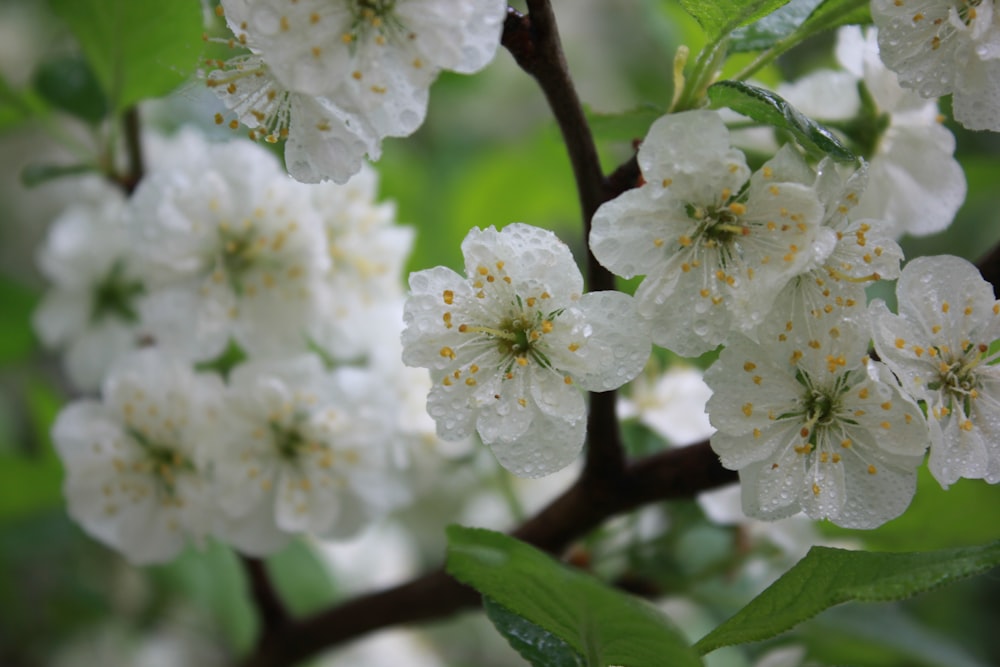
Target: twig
point(270, 608)
point(135, 167)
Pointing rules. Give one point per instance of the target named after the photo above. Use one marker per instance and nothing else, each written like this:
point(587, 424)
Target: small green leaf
point(69, 84)
point(773, 27)
point(767, 107)
point(534, 644)
point(305, 584)
point(719, 17)
point(832, 14)
point(138, 49)
point(36, 174)
point(211, 579)
point(799, 20)
point(604, 625)
point(827, 577)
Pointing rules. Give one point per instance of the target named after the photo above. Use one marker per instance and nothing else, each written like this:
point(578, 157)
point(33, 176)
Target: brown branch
point(135, 167)
point(672, 474)
point(270, 609)
point(989, 267)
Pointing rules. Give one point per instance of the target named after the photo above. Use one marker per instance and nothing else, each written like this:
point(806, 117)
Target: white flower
point(231, 249)
point(374, 56)
point(301, 450)
point(322, 141)
point(832, 287)
point(511, 345)
point(132, 476)
point(92, 307)
point(945, 46)
point(814, 425)
point(939, 345)
point(914, 182)
point(334, 78)
point(672, 405)
point(714, 254)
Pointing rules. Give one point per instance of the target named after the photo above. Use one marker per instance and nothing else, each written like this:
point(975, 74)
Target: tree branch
point(270, 608)
point(135, 166)
point(672, 474)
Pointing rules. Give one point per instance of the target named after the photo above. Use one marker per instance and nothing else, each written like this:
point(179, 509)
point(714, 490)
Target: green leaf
point(834, 13)
point(138, 49)
point(767, 107)
point(719, 17)
point(799, 20)
point(773, 27)
point(304, 582)
point(211, 579)
point(827, 577)
point(69, 84)
point(534, 644)
point(604, 625)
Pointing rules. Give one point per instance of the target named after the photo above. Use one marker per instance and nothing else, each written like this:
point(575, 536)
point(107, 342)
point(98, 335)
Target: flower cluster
point(234, 320)
point(333, 78)
point(774, 266)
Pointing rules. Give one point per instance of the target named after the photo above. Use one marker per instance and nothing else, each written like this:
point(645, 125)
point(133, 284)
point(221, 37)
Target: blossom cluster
point(773, 265)
point(248, 331)
point(332, 79)
point(235, 322)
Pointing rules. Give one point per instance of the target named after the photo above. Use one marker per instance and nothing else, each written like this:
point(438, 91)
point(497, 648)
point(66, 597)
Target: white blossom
point(512, 343)
point(92, 307)
point(322, 141)
point(714, 255)
point(815, 425)
point(939, 47)
point(334, 78)
point(133, 480)
point(914, 182)
point(940, 345)
point(231, 250)
point(832, 286)
point(380, 55)
point(301, 450)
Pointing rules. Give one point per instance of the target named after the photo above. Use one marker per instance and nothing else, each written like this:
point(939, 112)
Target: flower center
point(287, 439)
point(162, 461)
